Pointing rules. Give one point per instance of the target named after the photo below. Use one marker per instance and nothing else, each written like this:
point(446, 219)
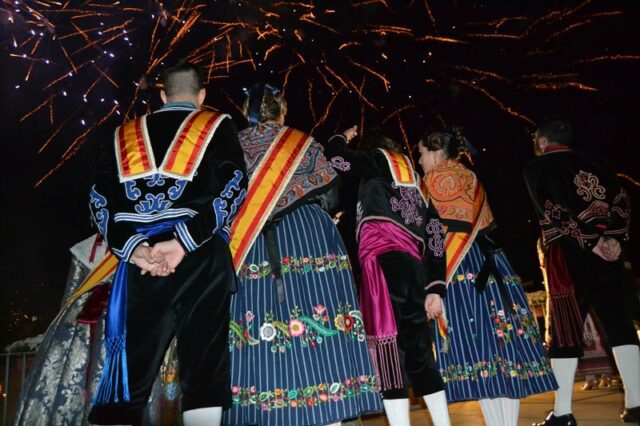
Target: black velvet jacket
point(198, 209)
point(577, 198)
point(380, 199)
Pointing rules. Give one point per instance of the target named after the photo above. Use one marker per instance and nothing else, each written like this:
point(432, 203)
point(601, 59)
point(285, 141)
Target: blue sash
point(114, 384)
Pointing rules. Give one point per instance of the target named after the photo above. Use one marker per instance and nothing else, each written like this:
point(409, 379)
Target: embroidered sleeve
point(225, 172)
point(620, 216)
point(106, 199)
point(347, 160)
point(434, 258)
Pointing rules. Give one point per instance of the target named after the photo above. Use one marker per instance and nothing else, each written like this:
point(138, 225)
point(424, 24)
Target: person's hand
point(171, 251)
point(144, 259)
point(433, 305)
point(608, 249)
point(350, 133)
point(611, 248)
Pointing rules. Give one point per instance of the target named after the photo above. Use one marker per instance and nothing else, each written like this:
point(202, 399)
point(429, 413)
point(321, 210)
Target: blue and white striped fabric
point(303, 361)
point(495, 350)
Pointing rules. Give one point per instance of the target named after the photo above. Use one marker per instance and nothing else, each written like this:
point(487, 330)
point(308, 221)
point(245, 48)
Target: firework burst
point(339, 62)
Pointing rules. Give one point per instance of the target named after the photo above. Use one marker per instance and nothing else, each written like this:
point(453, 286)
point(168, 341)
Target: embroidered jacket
point(381, 199)
point(577, 198)
point(176, 164)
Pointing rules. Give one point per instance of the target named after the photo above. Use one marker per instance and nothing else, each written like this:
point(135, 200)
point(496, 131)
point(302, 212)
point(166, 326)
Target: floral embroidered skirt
point(303, 361)
point(495, 350)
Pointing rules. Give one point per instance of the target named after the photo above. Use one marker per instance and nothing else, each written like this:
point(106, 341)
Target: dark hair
point(377, 137)
point(451, 141)
point(183, 78)
point(557, 130)
point(271, 103)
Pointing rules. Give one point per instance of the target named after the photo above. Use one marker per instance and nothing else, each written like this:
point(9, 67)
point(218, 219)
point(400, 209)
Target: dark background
point(39, 225)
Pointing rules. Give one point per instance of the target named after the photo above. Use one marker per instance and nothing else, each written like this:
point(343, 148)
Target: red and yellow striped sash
point(457, 244)
point(266, 186)
point(401, 168)
point(133, 150)
point(190, 143)
point(100, 273)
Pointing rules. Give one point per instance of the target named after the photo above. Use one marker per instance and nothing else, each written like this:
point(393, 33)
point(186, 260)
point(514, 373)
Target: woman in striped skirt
point(488, 344)
point(297, 342)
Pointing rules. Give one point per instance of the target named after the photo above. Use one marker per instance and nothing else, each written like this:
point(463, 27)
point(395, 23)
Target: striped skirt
point(303, 361)
point(493, 349)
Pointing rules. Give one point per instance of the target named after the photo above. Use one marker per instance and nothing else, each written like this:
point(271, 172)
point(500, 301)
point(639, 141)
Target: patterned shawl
point(313, 172)
point(463, 208)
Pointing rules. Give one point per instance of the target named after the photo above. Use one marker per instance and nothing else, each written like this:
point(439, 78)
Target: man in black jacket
point(584, 214)
point(164, 196)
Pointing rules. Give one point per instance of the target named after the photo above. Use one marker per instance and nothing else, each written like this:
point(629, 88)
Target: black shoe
point(552, 420)
point(631, 415)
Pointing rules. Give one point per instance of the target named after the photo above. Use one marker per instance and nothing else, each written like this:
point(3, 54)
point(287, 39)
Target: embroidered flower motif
point(339, 322)
point(408, 204)
point(436, 239)
point(249, 316)
point(588, 186)
point(296, 328)
point(267, 332)
point(348, 322)
point(319, 309)
point(339, 163)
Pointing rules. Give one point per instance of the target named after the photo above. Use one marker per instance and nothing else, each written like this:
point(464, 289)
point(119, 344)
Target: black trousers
point(193, 305)
point(602, 287)
point(406, 279)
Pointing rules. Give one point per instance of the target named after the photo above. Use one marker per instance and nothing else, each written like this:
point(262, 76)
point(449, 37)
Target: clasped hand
point(608, 249)
point(433, 306)
point(160, 260)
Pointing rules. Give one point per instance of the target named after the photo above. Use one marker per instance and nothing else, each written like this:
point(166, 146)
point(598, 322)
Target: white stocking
point(437, 405)
point(565, 371)
point(492, 411)
point(628, 361)
point(209, 416)
point(397, 411)
point(510, 411)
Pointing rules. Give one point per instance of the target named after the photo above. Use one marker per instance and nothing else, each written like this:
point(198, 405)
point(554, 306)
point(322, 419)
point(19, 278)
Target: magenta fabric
point(376, 238)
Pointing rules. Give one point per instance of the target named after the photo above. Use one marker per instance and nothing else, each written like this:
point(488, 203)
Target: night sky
point(424, 81)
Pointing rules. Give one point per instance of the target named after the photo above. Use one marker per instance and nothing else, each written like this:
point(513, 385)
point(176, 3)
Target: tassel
point(386, 361)
point(565, 318)
point(115, 373)
point(444, 333)
point(564, 313)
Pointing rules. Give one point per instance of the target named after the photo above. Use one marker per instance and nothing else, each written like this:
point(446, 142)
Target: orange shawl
point(462, 205)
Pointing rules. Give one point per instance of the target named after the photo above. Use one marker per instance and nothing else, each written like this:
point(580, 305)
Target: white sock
point(510, 411)
point(565, 371)
point(492, 411)
point(437, 406)
point(397, 411)
point(209, 416)
point(628, 362)
point(334, 424)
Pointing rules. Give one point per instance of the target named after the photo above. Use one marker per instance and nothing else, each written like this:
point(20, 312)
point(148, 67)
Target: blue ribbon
point(114, 383)
point(470, 148)
point(256, 95)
